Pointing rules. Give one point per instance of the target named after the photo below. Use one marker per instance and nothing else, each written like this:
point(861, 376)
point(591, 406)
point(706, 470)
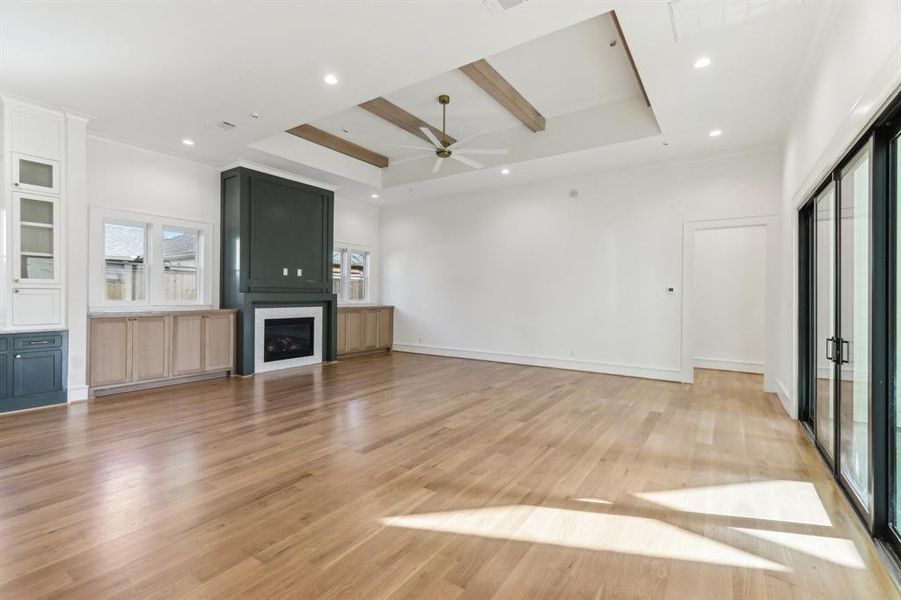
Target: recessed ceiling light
point(331, 79)
point(715, 132)
point(702, 62)
point(374, 196)
point(505, 171)
point(187, 142)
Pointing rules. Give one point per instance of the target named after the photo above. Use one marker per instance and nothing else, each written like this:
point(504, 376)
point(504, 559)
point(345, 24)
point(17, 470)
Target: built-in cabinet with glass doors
point(34, 144)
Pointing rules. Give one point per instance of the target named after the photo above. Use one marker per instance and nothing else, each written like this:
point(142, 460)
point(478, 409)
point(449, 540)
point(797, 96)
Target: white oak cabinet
point(365, 329)
point(156, 348)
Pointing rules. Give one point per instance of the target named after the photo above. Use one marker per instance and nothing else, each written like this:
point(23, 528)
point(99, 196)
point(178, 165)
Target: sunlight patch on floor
point(586, 530)
point(593, 501)
point(774, 500)
point(840, 551)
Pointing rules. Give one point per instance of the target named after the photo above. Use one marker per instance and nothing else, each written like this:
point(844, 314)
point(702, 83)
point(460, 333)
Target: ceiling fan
point(443, 149)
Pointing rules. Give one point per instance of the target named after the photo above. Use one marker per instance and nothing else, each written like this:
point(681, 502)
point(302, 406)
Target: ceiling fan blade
point(401, 161)
point(432, 137)
point(466, 161)
point(483, 151)
point(467, 138)
point(437, 166)
point(423, 148)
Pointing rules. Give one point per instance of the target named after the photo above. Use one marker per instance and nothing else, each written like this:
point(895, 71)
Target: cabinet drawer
point(37, 342)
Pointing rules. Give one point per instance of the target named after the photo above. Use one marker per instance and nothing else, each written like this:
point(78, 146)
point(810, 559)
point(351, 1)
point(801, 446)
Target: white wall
point(855, 70)
point(75, 242)
point(531, 274)
point(729, 298)
point(357, 226)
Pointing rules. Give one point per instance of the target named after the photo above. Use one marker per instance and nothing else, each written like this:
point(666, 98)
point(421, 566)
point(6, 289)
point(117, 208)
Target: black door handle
point(845, 344)
point(830, 345)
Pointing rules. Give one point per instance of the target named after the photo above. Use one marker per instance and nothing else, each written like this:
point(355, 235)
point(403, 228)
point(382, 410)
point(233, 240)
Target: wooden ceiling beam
point(333, 142)
point(398, 117)
point(486, 77)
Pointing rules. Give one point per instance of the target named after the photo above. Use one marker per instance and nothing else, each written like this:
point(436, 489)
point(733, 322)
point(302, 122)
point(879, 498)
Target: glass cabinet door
point(35, 174)
point(36, 238)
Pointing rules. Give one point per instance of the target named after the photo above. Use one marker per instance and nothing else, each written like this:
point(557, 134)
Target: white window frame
point(154, 265)
point(344, 286)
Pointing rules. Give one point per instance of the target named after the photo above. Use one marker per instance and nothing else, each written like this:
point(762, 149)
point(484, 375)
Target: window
point(148, 260)
point(125, 252)
point(180, 264)
point(337, 269)
point(350, 274)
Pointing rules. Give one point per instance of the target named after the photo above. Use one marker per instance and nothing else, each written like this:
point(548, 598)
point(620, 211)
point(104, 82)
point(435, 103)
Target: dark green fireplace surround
point(277, 238)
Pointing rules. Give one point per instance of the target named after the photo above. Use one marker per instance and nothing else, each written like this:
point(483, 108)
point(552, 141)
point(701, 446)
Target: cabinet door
point(34, 174)
point(110, 351)
point(286, 235)
point(218, 342)
point(342, 332)
point(38, 372)
point(187, 344)
point(149, 348)
point(370, 329)
point(36, 306)
point(4, 380)
point(386, 325)
point(35, 236)
point(354, 321)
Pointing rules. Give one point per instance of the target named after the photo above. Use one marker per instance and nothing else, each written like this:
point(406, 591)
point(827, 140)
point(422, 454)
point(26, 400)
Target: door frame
point(771, 346)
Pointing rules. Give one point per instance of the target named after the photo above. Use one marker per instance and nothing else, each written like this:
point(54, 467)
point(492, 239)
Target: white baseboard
point(571, 364)
point(722, 364)
point(786, 399)
point(77, 394)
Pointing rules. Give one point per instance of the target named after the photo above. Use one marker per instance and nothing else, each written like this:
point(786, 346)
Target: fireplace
point(287, 336)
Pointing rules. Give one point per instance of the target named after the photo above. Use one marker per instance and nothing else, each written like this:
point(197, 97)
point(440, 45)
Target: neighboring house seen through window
point(125, 254)
point(350, 274)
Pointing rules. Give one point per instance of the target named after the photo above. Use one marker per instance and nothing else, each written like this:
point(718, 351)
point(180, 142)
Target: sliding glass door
point(894, 440)
point(853, 351)
point(849, 324)
point(840, 407)
point(825, 391)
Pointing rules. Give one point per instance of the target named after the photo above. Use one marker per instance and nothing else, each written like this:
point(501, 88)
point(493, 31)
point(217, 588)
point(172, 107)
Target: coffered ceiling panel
point(570, 69)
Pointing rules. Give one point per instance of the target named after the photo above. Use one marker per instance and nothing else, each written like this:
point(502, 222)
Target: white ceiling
point(156, 72)
point(566, 72)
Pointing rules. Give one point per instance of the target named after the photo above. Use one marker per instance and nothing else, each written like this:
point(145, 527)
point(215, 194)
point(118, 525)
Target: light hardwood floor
point(405, 476)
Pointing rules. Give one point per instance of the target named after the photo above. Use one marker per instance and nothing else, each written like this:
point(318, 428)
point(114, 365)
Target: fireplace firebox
point(288, 338)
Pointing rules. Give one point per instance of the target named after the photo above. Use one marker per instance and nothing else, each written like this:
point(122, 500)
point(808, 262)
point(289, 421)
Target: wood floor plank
point(404, 476)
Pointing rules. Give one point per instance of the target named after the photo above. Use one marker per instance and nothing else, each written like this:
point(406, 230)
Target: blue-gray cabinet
point(32, 369)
